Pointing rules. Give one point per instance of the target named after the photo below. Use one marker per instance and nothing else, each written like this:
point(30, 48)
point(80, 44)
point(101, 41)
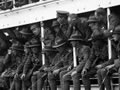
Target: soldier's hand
point(16, 75)
point(84, 72)
point(9, 51)
point(99, 66)
point(56, 71)
point(73, 73)
point(23, 76)
point(69, 68)
point(109, 67)
point(36, 72)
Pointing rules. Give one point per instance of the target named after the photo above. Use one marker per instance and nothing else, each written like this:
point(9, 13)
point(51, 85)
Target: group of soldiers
point(9, 4)
point(69, 37)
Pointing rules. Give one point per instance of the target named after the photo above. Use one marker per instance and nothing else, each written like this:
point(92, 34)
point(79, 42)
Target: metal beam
point(46, 10)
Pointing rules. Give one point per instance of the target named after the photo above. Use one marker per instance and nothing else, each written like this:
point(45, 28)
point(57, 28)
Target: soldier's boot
point(86, 82)
point(18, 84)
point(34, 82)
point(119, 77)
point(40, 80)
point(106, 77)
point(76, 81)
point(100, 79)
point(63, 82)
point(12, 86)
point(52, 81)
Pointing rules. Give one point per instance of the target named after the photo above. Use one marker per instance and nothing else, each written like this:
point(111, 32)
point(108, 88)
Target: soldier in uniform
point(82, 54)
point(61, 62)
point(57, 29)
point(35, 28)
point(33, 63)
point(12, 60)
point(17, 77)
point(79, 25)
point(62, 18)
point(99, 53)
point(43, 71)
point(112, 65)
point(26, 33)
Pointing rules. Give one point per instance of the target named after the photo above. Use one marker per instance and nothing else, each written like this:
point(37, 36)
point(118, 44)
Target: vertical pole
point(13, 3)
point(42, 36)
point(74, 56)
point(109, 41)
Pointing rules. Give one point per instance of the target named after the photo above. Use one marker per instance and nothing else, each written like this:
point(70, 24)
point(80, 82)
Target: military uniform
point(62, 17)
point(61, 62)
point(110, 66)
point(35, 28)
point(82, 52)
point(17, 76)
point(79, 25)
point(33, 63)
point(12, 61)
point(98, 54)
point(43, 71)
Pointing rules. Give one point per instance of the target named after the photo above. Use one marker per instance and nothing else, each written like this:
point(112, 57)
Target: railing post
point(13, 3)
point(74, 57)
point(42, 36)
point(109, 41)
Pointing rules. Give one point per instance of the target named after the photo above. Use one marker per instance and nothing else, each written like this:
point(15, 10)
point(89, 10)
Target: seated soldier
point(33, 63)
point(99, 53)
point(12, 60)
point(49, 53)
point(17, 77)
point(82, 53)
point(113, 65)
point(61, 62)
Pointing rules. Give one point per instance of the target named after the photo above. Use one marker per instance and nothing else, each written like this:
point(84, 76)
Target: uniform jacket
point(31, 62)
point(83, 56)
point(62, 60)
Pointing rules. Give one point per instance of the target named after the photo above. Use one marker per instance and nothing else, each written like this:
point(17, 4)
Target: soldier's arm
point(28, 63)
point(7, 59)
point(85, 59)
point(111, 61)
point(20, 67)
point(90, 60)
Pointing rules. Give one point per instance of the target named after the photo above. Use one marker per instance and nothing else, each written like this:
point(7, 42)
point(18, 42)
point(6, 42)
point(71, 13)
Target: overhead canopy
point(45, 10)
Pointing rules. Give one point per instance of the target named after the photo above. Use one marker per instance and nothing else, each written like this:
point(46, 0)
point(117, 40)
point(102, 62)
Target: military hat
point(117, 30)
point(100, 11)
point(34, 43)
point(92, 19)
point(17, 46)
point(59, 42)
point(61, 13)
point(26, 31)
point(76, 37)
point(55, 23)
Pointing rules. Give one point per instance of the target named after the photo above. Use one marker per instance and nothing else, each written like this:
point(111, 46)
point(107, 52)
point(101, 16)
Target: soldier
point(12, 60)
point(62, 18)
point(110, 66)
point(43, 71)
point(80, 25)
point(98, 54)
point(57, 29)
point(26, 33)
point(33, 63)
point(17, 77)
point(82, 53)
point(35, 28)
point(61, 62)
